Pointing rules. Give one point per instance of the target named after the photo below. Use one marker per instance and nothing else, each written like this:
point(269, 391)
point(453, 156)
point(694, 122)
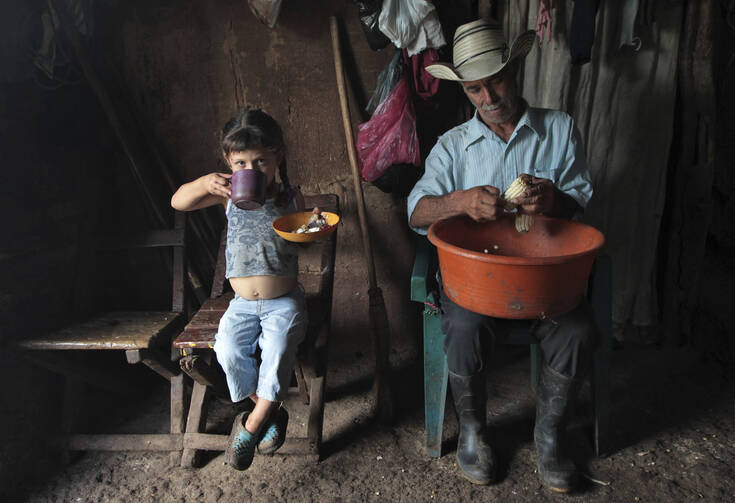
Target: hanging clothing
point(582, 32)
point(424, 84)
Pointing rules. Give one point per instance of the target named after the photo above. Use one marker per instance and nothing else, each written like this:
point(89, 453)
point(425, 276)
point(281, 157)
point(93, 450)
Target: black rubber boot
point(474, 455)
point(555, 398)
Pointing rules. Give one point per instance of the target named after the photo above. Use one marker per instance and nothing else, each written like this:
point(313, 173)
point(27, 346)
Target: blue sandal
point(274, 432)
point(241, 447)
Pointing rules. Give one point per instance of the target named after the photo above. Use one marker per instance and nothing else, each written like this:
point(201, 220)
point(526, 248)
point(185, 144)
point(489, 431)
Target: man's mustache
point(492, 108)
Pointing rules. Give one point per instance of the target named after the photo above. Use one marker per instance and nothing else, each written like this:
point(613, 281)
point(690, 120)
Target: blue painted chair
point(435, 365)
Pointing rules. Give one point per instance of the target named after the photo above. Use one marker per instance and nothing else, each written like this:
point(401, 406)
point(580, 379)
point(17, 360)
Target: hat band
point(503, 48)
point(471, 31)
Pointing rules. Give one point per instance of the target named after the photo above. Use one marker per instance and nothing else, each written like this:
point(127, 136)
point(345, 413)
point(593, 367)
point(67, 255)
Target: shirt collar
point(478, 130)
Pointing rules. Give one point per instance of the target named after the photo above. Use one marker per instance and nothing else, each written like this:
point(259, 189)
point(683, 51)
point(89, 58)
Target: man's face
point(495, 97)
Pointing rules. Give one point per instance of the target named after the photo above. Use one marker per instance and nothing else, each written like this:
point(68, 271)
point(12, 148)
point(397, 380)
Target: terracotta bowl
point(490, 268)
point(286, 226)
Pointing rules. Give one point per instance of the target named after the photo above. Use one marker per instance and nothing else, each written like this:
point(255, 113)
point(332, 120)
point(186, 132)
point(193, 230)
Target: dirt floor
point(673, 431)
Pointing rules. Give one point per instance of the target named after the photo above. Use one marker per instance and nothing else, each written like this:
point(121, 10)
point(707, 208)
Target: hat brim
point(481, 67)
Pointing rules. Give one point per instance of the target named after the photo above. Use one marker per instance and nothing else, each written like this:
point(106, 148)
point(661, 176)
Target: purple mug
point(248, 188)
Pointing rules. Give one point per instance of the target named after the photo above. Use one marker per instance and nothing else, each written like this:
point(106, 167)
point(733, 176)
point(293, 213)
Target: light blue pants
point(277, 326)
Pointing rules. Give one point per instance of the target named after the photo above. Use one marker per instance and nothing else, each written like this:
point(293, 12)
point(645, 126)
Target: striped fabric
point(545, 144)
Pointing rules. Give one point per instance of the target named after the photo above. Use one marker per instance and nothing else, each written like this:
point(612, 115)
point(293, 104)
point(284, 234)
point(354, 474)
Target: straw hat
point(480, 50)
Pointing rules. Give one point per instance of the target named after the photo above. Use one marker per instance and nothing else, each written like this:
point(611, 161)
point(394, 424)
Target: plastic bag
point(266, 10)
point(387, 80)
point(401, 21)
point(369, 13)
point(389, 137)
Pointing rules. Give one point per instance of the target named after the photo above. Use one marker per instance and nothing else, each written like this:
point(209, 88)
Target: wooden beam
point(177, 414)
point(213, 442)
point(195, 422)
point(158, 442)
point(157, 362)
point(316, 415)
point(202, 372)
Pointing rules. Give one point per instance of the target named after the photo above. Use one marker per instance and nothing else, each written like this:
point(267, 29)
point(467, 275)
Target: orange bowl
point(492, 269)
point(286, 226)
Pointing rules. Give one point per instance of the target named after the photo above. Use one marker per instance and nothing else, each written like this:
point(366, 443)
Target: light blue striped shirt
point(545, 143)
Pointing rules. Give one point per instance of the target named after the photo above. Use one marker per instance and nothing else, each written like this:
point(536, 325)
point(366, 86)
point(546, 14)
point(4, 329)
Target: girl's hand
point(218, 184)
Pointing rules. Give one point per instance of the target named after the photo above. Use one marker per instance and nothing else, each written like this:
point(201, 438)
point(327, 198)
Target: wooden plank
point(108, 331)
point(213, 442)
point(220, 303)
point(205, 319)
point(302, 383)
point(219, 270)
point(326, 202)
point(202, 372)
point(161, 364)
point(142, 442)
point(177, 423)
point(195, 422)
point(178, 294)
point(196, 339)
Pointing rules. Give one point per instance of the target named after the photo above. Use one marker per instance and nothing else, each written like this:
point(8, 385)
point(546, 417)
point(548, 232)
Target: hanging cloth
point(582, 33)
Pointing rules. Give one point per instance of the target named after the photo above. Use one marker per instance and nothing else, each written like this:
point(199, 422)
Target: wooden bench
point(197, 340)
point(144, 336)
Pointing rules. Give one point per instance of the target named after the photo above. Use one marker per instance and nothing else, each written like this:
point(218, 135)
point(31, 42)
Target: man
point(465, 174)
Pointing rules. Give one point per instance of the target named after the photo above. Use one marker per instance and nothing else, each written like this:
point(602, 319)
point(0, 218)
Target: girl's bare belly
point(262, 287)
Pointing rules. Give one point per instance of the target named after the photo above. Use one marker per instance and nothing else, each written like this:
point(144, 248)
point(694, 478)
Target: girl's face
point(262, 159)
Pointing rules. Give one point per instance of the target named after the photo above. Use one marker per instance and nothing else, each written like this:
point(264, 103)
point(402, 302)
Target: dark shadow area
point(656, 389)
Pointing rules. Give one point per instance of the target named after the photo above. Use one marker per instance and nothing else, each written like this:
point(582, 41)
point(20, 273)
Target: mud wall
point(186, 67)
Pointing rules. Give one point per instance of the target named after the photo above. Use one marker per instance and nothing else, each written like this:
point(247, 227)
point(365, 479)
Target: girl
point(268, 309)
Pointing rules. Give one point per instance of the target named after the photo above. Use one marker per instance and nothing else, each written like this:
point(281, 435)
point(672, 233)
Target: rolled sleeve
point(436, 181)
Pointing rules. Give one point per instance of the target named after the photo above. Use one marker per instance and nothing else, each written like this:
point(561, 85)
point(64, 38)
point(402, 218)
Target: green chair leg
point(435, 382)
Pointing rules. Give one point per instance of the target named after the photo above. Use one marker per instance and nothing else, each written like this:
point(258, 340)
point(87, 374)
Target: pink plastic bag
point(389, 137)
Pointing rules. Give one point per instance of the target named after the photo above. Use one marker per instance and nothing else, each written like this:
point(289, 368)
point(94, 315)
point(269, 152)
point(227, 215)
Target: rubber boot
point(474, 455)
point(555, 399)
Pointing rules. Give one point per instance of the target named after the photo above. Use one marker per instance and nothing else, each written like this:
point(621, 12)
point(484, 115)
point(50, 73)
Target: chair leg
point(177, 413)
point(435, 384)
point(316, 414)
point(195, 422)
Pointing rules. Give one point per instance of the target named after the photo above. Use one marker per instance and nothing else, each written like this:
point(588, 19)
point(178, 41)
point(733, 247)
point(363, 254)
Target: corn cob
point(523, 222)
point(517, 187)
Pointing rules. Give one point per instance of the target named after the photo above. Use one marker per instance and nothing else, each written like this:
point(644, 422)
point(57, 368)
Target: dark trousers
point(567, 342)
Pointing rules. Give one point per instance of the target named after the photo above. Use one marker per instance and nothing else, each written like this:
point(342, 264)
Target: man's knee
point(581, 329)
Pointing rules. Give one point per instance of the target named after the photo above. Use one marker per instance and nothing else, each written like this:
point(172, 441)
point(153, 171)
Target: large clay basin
point(539, 274)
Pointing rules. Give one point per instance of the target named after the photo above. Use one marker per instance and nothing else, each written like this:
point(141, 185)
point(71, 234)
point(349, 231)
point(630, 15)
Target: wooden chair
point(435, 365)
point(197, 340)
point(145, 337)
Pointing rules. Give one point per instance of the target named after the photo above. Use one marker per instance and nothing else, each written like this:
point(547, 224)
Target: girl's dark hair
point(253, 128)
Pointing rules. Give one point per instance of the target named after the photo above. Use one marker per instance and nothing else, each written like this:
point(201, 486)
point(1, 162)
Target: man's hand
point(542, 197)
point(482, 203)
point(539, 197)
point(479, 203)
